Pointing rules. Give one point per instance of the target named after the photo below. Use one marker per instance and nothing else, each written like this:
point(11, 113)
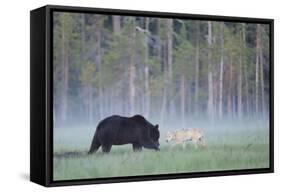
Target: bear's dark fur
point(117, 130)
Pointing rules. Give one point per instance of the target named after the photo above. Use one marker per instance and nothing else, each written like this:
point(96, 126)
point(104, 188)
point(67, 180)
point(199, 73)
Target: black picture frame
point(41, 91)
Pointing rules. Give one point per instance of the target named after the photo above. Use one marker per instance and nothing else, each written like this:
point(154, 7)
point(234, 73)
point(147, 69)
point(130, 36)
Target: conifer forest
point(160, 68)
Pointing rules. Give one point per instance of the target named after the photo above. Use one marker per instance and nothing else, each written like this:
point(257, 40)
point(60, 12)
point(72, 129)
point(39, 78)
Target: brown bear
point(118, 130)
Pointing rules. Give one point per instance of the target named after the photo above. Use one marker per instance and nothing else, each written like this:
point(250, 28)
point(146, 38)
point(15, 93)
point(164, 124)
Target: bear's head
point(155, 134)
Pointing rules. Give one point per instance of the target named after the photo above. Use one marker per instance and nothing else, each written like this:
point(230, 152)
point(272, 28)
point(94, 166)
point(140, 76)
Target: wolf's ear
point(156, 126)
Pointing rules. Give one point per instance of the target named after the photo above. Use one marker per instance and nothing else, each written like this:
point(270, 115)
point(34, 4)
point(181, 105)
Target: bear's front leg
point(137, 147)
point(106, 148)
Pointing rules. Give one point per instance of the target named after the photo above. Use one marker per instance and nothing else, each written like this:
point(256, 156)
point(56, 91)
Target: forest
point(164, 69)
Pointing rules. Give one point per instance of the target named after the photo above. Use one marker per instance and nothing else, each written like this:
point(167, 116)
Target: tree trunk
point(84, 89)
point(65, 71)
point(239, 102)
point(229, 98)
point(247, 110)
point(160, 50)
point(210, 74)
point(261, 76)
point(83, 38)
point(116, 27)
point(91, 104)
point(182, 93)
point(162, 54)
point(116, 24)
point(99, 63)
point(132, 71)
point(164, 104)
point(257, 68)
point(170, 48)
point(196, 68)
point(221, 70)
point(239, 107)
point(170, 61)
point(247, 91)
point(146, 73)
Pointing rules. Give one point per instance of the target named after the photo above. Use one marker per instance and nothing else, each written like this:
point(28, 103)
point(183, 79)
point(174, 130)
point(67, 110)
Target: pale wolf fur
point(182, 136)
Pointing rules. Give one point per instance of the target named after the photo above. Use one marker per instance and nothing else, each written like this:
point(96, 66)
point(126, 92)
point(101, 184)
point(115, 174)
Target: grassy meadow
point(228, 149)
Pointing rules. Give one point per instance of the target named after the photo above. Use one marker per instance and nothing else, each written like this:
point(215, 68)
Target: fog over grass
point(231, 145)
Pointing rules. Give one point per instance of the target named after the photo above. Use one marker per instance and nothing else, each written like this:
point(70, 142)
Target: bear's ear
point(156, 126)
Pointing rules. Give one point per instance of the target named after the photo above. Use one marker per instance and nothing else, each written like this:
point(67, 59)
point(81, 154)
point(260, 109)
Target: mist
point(176, 73)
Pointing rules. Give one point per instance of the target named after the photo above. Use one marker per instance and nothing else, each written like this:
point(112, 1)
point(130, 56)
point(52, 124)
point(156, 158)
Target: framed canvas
point(125, 95)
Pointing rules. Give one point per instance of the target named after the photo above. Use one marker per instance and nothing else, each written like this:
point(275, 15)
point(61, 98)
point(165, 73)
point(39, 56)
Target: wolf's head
point(170, 136)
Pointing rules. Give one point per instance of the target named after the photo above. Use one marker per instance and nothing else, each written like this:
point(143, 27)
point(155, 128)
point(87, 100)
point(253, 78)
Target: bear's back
point(123, 123)
point(116, 122)
point(139, 119)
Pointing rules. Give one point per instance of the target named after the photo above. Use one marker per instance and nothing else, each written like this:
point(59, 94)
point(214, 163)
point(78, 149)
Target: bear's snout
point(158, 146)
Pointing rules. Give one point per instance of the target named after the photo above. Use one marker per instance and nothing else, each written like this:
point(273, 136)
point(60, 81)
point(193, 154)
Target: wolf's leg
point(174, 144)
point(183, 145)
point(195, 143)
point(202, 143)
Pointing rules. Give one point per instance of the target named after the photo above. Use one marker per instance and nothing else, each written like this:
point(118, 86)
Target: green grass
point(226, 151)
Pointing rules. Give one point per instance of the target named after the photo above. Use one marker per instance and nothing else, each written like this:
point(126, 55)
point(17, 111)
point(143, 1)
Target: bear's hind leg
point(94, 146)
point(137, 147)
point(106, 148)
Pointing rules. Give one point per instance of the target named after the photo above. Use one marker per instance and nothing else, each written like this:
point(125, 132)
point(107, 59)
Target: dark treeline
point(160, 68)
